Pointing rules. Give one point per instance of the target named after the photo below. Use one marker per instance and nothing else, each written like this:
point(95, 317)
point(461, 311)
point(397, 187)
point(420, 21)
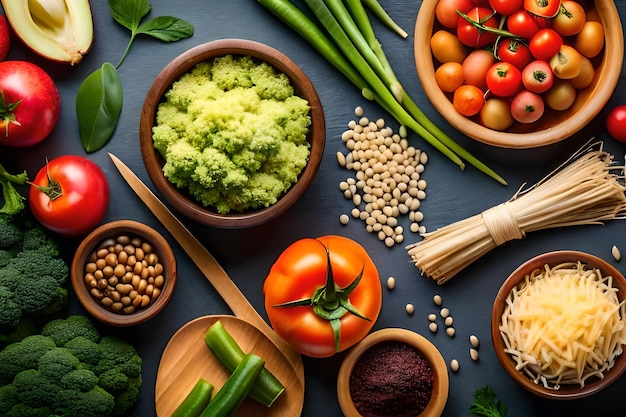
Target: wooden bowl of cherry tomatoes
point(519, 73)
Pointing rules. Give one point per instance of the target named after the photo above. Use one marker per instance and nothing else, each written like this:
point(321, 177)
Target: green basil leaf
point(98, 107)
point(166, 28)
point(129, 13)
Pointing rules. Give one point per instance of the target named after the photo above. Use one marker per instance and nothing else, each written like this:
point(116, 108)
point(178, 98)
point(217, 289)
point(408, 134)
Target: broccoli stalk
point(13, 201)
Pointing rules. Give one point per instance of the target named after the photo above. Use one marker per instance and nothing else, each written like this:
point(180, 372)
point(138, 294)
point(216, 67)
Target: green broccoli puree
point(233, 134)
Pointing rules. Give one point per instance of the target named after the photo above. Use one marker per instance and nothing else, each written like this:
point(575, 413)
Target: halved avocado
point(60, 30)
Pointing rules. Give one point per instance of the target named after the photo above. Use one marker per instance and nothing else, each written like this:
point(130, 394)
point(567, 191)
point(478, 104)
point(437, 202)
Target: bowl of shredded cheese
point(558, 325)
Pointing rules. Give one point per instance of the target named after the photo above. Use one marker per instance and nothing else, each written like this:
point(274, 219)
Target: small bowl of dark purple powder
point(393, 373)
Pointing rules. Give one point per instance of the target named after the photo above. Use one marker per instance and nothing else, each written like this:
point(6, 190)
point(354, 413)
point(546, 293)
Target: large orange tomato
point(323, 295)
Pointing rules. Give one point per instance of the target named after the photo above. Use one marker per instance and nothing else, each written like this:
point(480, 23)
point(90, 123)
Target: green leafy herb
point(99, 100)
point(98, 107)
point(486, 405)
point(13, 201)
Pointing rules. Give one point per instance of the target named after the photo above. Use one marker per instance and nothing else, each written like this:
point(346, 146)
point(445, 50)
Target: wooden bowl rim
point(111, 229)
point(610, 68)
point(431, 353)
point(183, 64)
point(567, 392)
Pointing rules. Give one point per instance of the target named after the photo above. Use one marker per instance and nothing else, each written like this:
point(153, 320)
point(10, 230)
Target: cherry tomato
point(587, 72)
point(527, 107)
point(543, 8)
point(30, 104)
point(561, 96)
point(522, 24)
point(447, 48)
point(506, 7)
point(590, 40)
point(496, 114)
point(305, 299)
point(545, 43)
point(538, 76)
point(570, 19)
point(616, 123)
point(566, 63)
point(449, 76)
point(69, 195)
point(470, 35)
point(468, 100)
point(475, 67)
point(504, 79)
point(446, 11)
point(514, 51)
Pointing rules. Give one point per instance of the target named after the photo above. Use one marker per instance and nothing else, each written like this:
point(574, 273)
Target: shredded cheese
point(564, 324)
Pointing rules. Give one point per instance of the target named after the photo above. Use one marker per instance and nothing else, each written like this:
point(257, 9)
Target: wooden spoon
point(207, 264)
point(187, 358)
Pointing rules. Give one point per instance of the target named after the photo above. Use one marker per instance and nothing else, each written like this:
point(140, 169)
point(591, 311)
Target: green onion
point(342, 53)
point(196, 400)
point(384, 17)
point(236, 388)
point(267, 388)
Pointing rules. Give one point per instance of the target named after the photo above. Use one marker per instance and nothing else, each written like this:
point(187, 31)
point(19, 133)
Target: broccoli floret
point(23, 410)
point(8, 398)
point(80, 379)
point(70, 370)
point(61, 331)
point(57, 362)
point(11, 311)
point(120, 355)
point(33, 276)
point(86, 350)
point(23, 355)
point(93, 403)
point(35, 389)
point(10, 233)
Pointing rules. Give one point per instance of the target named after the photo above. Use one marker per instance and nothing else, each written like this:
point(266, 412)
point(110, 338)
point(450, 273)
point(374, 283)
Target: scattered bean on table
point(616, 253)
point(388, 179)
point(124, 274)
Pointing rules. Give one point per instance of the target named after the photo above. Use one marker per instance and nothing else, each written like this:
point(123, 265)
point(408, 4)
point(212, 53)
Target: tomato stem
point(7, 113)
point(483, 28)
point(53, 190)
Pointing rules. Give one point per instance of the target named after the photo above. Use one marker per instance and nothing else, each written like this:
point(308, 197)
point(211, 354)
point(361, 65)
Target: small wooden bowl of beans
point(124, 273)
point(393, 372)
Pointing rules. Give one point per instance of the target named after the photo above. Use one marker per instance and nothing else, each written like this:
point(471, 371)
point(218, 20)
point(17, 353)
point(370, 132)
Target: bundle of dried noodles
point(586, 189)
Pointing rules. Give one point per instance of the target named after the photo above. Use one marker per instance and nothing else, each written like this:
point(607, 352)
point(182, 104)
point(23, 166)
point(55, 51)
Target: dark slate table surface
point(248, 254)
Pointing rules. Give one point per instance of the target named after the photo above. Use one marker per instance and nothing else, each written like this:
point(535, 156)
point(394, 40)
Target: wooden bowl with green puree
point(232, 133)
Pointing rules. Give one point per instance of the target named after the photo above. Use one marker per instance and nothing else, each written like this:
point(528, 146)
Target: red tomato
point(298, 292)
point(475, 67)
point(522, 24)
point(5, 39)
point(468, 100)
point(472, 36)
point(514, 51)
point(504, 79)
point(616, 123)
point(545, 44)
point(538, 76)
point(30, 104)
point(527, 107)
point(69, 195)
point(446, 14)
point(543, 8)
point(506, 7)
